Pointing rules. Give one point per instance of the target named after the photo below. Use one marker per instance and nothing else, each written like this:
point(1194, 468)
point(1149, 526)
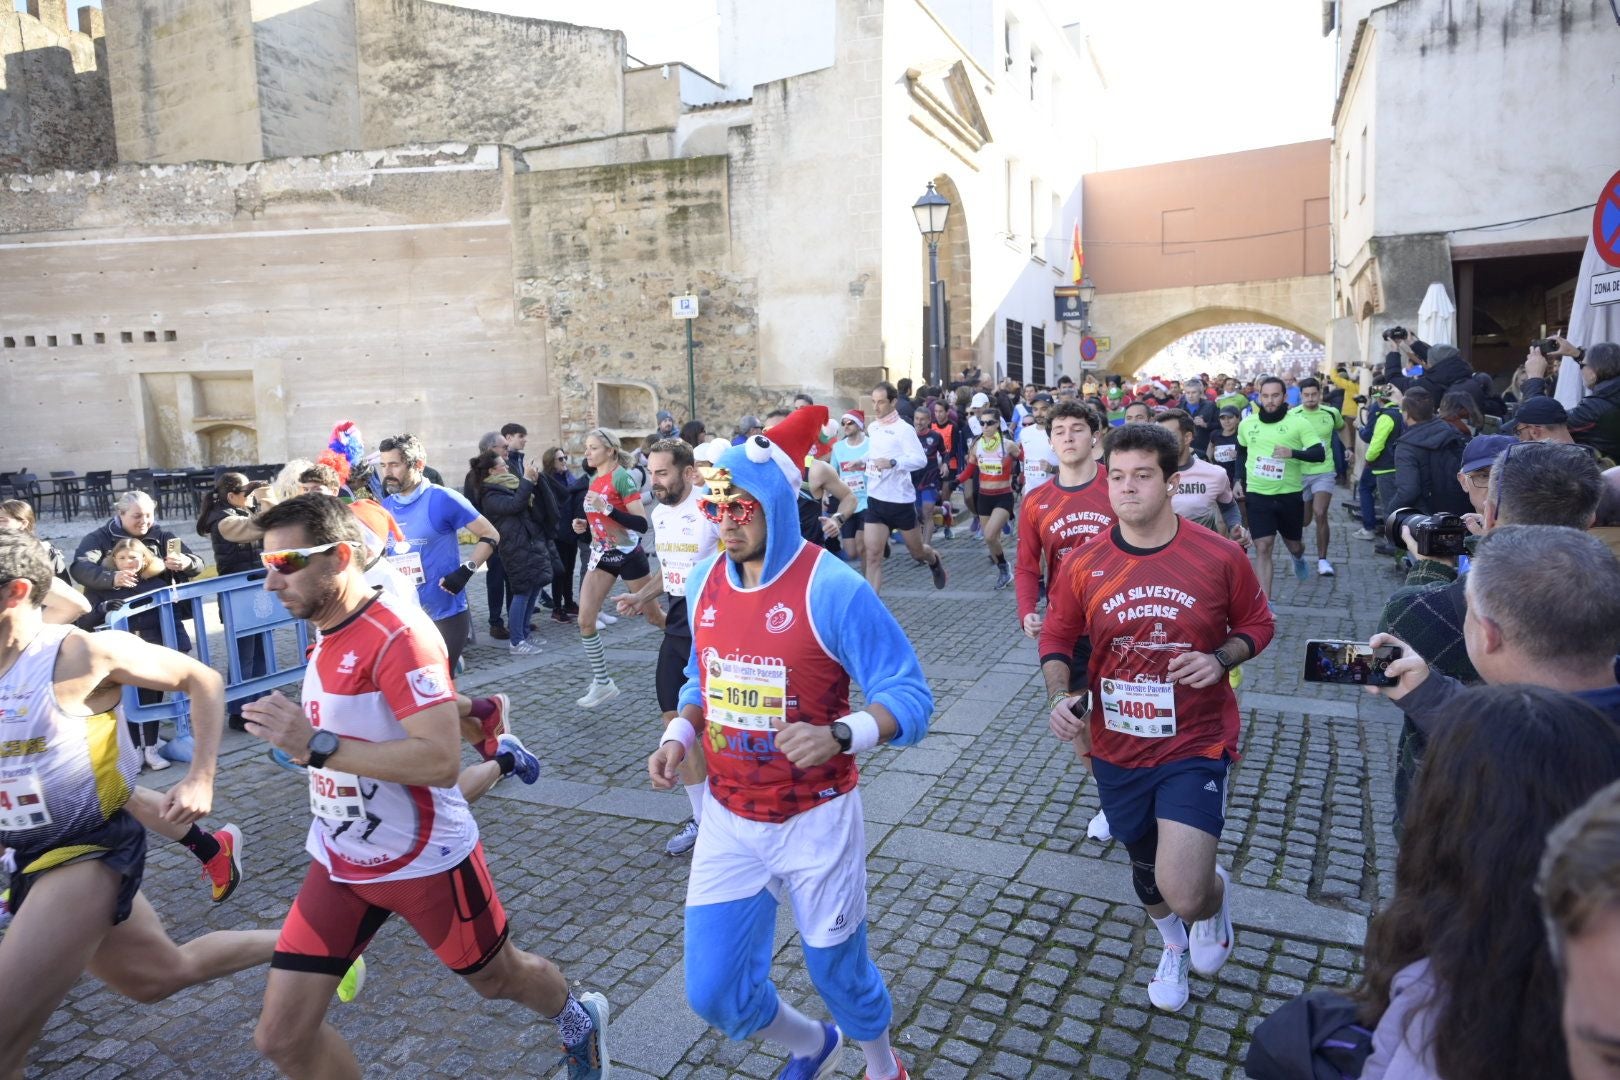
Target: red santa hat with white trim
point(793, 439)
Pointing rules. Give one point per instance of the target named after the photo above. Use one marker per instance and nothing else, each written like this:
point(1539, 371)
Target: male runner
point(1277, 444)
point(779, 630)
point(893, 451)
point(849, 459)
point(1317, 478)
point(1040, 461)
point(1170, 608)
point(683, 537)
point(378, 706)
point(1203, 492)
point(65, 779)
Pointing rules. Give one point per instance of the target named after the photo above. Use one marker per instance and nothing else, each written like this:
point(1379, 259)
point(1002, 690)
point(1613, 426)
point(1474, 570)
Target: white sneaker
point(524, 648)
point(1364, 534)
point(1324, 568)
point(1212, 938)
point(604, 617)
point(154, 760)
point(598, 694)
point(1168, 987)
point(1098, 829)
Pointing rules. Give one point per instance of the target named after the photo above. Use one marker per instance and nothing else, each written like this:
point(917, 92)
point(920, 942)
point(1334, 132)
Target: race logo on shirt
point(428, 685)
point(706, 620)
point(779, 618)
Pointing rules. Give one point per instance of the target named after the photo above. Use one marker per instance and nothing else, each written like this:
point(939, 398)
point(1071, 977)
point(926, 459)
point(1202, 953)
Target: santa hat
point(856, 415)
point(795, 434)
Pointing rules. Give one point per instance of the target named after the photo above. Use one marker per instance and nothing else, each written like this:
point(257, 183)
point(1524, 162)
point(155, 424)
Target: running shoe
point(1168, 988)
point(1098, 829)
point(224, 870)
point(1324, 568)
point(977, 528)
point(525, 766)
point(588, 1058)
point(898, 1064)
point(281, 759)
point(1364, 534)
point(1003, 575)
point(154, 759)
point(1212, 937)
point(354, 980)
point(599, 694)
point(683, 841)
point(524, 648)
point(1301, 571)
point(938, 570)
point(819, 1066)
point(609, 619)
point(496, 724)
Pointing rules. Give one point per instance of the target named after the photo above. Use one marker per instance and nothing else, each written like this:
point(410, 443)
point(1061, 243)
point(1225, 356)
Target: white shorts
point(818, 857)
point(1315, 482)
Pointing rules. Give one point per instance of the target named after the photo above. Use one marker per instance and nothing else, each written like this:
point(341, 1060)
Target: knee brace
point(1144, 852)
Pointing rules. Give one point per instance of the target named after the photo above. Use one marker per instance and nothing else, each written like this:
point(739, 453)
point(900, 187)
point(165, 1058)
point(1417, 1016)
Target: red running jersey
point(761, 660)
point(1141, 609)
point(1053, 521)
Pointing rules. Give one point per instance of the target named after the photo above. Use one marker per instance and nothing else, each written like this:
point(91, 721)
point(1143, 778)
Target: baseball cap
point(1044, 396)
point(1231, 410)
point(1538, 410)
point(980, 400)
point(1483, 450)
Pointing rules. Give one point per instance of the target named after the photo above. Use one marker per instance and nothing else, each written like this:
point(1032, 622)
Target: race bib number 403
point(1270, 468)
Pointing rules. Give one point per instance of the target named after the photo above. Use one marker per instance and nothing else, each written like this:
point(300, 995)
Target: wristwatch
point(322, 745)
point(842, 736)
point(1226, 662)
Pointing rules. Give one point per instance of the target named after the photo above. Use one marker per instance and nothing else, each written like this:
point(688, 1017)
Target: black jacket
point(1596, 420)
point(526, 518)
point(1451, 373)
point(97, 580)
point(231, 557)
point(568, 493)
point(1427, 459)
point(1211, 416)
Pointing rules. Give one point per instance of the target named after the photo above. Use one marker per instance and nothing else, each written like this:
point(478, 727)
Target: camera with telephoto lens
point(1395, 333)
point(1435, 534)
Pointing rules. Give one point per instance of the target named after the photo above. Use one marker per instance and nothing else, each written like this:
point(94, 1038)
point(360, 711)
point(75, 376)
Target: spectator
point(1205, 416)
point(517, 437)
point(1579, 886)
point(1544, 419)
point(286, 485)
point(494, 568)
point(1491, 403)
point(113, 582)
point(1607, 525)
point(63, 604)
point(748, 425)
point(1459, 409)
point(1595, 422)
point(568, 492)
point(1025, 406)
point(665, 429)
point(1446, 370)
point(226, 519)
point(1458, 979)
point(903, 404)
point(693, 433)
point(1427, 459)
point(524, 512)
point(1381, 427)
point(1408, 353)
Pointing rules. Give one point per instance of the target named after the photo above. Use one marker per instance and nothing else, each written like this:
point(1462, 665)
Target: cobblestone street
point(1013, 945)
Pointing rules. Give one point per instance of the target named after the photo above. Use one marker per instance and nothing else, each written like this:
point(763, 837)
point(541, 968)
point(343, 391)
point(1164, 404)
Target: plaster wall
point(252, 307)
point(762, 43)
point(306, 62)
point(55, 104)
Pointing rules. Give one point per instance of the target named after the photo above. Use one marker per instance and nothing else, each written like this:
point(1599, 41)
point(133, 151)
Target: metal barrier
point(250, 616)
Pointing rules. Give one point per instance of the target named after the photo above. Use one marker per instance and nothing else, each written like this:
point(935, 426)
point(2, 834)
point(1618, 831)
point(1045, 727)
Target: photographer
point(1544, 419)
point(1427, 457)
point(1595, 422)
point(1445, 371)
point(1408, 354)
point(1381, 425)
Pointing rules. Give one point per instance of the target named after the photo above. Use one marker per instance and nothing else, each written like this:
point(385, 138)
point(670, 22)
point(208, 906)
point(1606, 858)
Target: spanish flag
point(1077, 256)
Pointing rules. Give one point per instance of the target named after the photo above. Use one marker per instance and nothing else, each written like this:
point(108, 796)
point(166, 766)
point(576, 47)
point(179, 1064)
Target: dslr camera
point(1436, 534)
point(1548, 347)
point(1395, 333)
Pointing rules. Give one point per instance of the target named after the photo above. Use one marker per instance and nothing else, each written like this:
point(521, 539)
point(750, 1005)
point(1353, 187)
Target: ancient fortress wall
point(55, 112)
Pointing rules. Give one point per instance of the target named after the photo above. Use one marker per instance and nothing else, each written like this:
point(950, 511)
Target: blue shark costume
point(809, 626)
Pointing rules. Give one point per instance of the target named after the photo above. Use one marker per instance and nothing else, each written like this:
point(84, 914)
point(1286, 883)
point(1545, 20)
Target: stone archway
point(1147, 344)
point(956, 271)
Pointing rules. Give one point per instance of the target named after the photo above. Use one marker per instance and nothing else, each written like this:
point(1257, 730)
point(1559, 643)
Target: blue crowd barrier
point(250, 615)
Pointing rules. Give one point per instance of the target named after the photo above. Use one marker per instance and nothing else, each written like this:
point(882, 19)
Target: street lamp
point(931, 211)
point(1087, 292)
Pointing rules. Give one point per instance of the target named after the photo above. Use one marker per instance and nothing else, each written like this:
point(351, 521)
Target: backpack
point(1315, 1036)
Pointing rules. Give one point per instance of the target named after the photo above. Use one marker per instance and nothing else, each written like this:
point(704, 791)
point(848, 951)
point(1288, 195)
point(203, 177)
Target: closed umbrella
point(1437, 317)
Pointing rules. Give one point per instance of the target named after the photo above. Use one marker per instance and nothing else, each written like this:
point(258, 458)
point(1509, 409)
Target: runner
point(1277, 444)
point(683, 537)
point(65, 783)
point(615, 519)
point(926, 480)
point(1317, 478)
point(379, 707)
point(990, 457)
point(1040, 462)
point(1169, 609)
point(849, 458)
point(1203, 493)
point(891, 501)
point(779, 630)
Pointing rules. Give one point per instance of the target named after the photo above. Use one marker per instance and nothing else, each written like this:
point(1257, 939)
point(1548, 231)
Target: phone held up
point(173, 547)
point(1349, 663)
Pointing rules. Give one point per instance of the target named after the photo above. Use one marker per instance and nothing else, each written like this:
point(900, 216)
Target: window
point(1036, 232)
point(1012, 186)
point(28, 340)
point(1363, 164)
point(1007, 44)
point(1034, 72)
point(101, 339)
point(126, 337)
point(1037, 355)
point(11, 343)
point(1054, 232)
point(150, 335)
point(1015, 350)
point(170, 335)
point(1344, 186)
point(50, 340)
point(78, 339)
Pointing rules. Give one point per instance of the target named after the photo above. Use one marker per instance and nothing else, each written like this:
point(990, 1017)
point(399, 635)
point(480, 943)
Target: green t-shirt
point(1324, 420)
point(1237, 401)
point(1268, 475)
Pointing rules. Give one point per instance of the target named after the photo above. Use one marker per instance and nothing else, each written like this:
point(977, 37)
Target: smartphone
point(174, 545)
point(1349, 663)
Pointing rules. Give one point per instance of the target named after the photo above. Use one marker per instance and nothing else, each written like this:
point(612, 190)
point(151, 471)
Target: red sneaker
point(496, 724)
point(902, 1074)
point(224, 870)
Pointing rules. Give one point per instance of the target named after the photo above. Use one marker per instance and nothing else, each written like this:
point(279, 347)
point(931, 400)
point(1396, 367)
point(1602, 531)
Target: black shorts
point(850, 529)
point(1276, 515)
point(625, 565)
point(673, 654)
point(120, 844)
point(901, 517)
point(985, 505)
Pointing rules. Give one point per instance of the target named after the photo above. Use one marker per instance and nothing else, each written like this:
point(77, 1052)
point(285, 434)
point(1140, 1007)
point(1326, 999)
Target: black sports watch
point(1226, 662)
point(842, 736)
point(322, 745)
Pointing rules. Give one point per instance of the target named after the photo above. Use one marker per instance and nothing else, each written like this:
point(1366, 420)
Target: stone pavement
point(1013, 946)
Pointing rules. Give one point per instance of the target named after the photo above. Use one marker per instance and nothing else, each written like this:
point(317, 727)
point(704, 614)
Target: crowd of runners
point(1130, 570)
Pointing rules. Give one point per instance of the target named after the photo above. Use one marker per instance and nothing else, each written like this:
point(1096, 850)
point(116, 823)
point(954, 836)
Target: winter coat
point(87, 570)
point(1449, 371)
point(1427, 459)
point(1595, 422)
point(526, 518)
point(568, 494)
point(231, 557)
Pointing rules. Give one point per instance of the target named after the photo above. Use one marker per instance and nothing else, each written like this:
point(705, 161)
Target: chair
point(173, 493)
point(98, 491)
point(66, 490)
point(141, 480)
point(201, 482)
point(27, 488)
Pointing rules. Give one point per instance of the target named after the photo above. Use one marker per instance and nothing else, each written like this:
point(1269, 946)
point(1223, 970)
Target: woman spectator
point(172, 563)
point(286, 485)
point(1459, 980)
point(226, 518)
point(64, 603)
point(693, 433)
point(524, 512)
point(568, 492)
point(1459, 409)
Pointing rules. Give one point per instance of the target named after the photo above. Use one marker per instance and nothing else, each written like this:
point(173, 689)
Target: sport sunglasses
point(292, 560)
point(741, 511)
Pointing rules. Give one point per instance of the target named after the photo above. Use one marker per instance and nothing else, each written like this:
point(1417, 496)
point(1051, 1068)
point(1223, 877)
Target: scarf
point(506, 480)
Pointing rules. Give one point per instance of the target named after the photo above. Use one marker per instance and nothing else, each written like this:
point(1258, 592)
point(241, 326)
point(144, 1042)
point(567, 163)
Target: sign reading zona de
point(1605, 289)
point(1606, 222)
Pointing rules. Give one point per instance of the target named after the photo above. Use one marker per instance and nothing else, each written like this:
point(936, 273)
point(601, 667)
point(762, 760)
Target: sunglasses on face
point(291, 560)
point(740, 511)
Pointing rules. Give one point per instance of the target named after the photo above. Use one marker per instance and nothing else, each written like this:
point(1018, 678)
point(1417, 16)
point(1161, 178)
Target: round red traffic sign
point(1088, 348)
point(1606, 222)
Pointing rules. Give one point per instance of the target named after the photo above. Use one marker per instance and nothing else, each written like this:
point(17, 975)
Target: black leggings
point(144, 733)
point(562, 585)
point(455, 630)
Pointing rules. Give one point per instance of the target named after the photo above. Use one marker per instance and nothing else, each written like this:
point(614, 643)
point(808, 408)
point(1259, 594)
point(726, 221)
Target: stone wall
point(306, 64)
point(55, 108)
